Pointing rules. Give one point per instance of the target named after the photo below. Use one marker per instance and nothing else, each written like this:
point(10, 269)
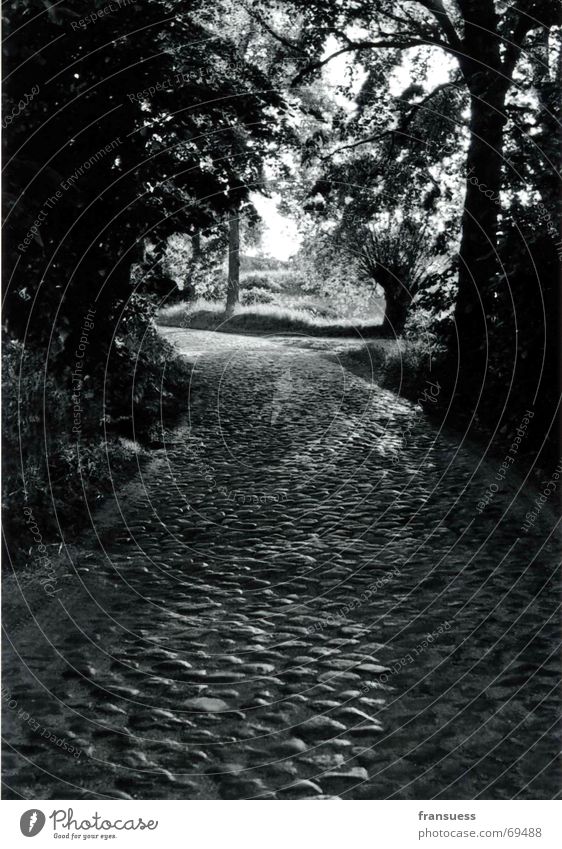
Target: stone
point(292, 746)
point(341, 782)
point(206, 705)
point(172, 666)
point(320, 727)
point(366, 731)
point(259, 669)
point(372, 668)
point(304, 789)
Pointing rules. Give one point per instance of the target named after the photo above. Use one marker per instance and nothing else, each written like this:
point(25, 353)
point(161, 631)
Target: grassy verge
point(402, 365)
point(260, 318)
point(415, 370)
point(54, 476)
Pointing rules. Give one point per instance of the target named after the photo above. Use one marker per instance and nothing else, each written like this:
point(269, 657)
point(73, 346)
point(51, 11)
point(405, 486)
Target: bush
point(60, 474)
point(256, 296)
point(408, 365)
point(145, 375)
point(433, 307)
point(401, 365)
point(263, 282)
point(315, 307)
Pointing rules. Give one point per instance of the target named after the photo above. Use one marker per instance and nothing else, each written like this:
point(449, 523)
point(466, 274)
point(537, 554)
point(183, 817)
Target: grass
point(401, 365)
point(261, 318)
point(50, 475)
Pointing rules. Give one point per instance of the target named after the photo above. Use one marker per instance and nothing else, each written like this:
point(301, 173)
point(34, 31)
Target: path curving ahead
point(297, 598)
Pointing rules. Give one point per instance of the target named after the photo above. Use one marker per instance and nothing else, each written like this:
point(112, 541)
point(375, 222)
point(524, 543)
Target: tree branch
point(415, 107)
point(409, 20)
point(438, 11)
point(357, 144)
point(396, 43)
point(276, 35)
point(400, 130)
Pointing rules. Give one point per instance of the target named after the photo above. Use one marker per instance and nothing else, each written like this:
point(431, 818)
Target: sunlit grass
point(265, 318)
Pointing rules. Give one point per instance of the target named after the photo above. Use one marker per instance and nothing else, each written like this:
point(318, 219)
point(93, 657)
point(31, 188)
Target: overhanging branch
point(407, 120)
point(286, 42)
point(395, 43)
point(415, 107)
point(357, 144)
point(436, 8)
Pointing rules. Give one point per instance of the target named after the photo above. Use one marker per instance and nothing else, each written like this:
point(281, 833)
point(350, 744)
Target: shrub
point(142, 391)
point(256, 296)
point(401, 365)
point(262, 281)
point(61, 475)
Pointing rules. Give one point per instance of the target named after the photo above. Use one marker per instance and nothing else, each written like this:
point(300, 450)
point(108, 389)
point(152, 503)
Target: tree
point(233, 285)
point(525, 343)
point(396, 258)
point(387, 212)
point(487, 45)
point(138, 133)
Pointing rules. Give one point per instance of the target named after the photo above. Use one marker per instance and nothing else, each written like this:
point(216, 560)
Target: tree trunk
point(395, 315)
point(233, 287)
point(478, 260)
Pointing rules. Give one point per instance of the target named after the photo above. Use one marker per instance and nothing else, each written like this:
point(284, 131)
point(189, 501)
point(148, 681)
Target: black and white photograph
point(281, 388)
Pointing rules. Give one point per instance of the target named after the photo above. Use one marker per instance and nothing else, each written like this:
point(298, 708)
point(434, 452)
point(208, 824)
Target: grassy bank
point(415, 369)
point(402, 365)
point(56, 473)
point(261, 318)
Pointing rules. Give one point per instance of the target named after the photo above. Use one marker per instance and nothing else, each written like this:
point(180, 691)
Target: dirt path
point(297, 599)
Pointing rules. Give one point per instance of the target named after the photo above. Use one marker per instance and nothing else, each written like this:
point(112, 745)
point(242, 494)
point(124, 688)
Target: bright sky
point(439, 68)
point(281, 238)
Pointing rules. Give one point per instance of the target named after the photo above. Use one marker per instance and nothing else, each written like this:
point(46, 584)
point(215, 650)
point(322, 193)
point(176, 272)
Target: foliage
point(300, 316)
point(122, 115)
point(256, 295)
point(263, 281)
point(402, 365)
point(145, 382)
point(61, 473)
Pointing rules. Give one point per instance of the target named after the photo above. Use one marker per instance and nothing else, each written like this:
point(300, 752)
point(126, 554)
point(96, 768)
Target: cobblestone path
point(296, 598)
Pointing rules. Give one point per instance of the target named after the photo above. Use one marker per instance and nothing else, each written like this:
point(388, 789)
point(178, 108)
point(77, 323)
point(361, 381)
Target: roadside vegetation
point(427, 214)
point(277, 300)
point(79, 439)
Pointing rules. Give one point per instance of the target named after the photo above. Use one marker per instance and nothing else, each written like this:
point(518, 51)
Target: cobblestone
point(206, 654)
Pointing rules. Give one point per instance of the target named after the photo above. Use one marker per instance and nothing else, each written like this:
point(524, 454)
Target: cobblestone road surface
point(295, 599)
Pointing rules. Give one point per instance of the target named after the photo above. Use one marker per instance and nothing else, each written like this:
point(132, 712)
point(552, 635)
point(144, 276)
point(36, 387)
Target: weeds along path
point(297, 599)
